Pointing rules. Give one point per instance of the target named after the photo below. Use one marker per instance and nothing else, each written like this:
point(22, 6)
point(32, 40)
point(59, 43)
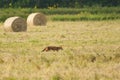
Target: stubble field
point(91, 51)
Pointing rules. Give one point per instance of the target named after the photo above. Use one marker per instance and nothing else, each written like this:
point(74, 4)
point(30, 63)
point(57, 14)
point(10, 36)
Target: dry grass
point(91, 52)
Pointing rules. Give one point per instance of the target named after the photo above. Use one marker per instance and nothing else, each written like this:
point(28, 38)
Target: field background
point(91, 51)
point(65, 14)
point(89, 36)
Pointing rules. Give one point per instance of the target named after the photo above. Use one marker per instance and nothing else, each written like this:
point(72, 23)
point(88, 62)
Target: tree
point(57, 3)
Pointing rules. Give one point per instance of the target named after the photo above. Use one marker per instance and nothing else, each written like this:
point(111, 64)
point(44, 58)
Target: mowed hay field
point(91, 51)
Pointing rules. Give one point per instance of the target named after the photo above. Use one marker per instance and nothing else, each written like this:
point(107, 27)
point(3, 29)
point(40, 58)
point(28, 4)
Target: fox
point(53, 48)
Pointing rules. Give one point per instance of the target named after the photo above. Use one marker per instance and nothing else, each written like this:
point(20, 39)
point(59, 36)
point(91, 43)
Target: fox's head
point(61, 47)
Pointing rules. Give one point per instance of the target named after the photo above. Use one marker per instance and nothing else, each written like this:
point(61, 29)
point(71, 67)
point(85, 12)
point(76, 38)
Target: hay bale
point(15, 24)
point(36, 19)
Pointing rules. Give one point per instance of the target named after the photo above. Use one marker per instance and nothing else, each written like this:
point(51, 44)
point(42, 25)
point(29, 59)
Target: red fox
point(54, 48)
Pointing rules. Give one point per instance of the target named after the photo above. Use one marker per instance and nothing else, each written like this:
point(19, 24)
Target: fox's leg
point(43, 50)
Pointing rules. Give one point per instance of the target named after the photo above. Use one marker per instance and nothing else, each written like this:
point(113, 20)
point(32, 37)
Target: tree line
point(57, 3)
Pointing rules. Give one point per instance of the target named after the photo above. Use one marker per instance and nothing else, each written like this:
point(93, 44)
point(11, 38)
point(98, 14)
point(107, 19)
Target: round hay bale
point(15, 24)
point(36, 19)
